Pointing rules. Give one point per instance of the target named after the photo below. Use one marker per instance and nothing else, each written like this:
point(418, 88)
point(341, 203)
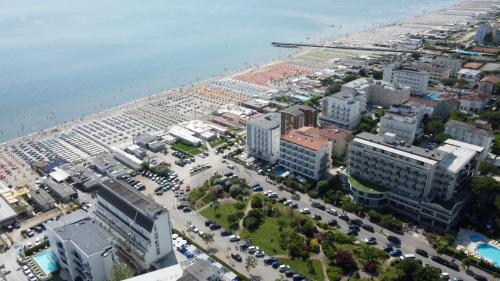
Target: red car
point(188, 188)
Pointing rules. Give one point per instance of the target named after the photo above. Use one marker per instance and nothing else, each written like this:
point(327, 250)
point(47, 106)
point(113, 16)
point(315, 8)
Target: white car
point(407, 256)
point(332, 212)
point(234, 238)
point(370, 240)
point(283, 268)
point(305, 211)
point(26, 269)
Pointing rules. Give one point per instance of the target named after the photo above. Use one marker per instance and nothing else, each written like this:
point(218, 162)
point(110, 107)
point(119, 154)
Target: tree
point(208, 238)
point(370, 267)
point(487, 168)
point(461, 83)
point(256, 202)
point(345, 260)
point(120, 272)
point(253, 219)
point(377, 75)
point(362, 72)
point(416, 56)
point(332, 89)
point(441, 137)
point(450, 82)
point(322, 186)
point(350, 77)
point(459, 115)
point(235, 190)
point(250, 262)
point(466, 262)
point(409, 270)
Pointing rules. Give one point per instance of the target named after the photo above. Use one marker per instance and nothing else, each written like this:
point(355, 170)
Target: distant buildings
point(141, 227)
point(306, 155)
point(341, 109)
point(471, 76)
point(377, 92)
point(61, 191)
point(42, 200)
point(263, 137)
point(483, 31)
point(412, 77)
point(298, 116)
point(452, 64)
point(84, 250)
point(487, 85)
point(474, 103)
point(401, 120)
point(195, 132)
point(479, 133)
point(424, 184)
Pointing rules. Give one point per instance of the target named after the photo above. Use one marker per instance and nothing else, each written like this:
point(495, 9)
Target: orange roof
point(491, 79)
point(301, 138)
point(473, 65)
point(423, 101)
point(485, 50)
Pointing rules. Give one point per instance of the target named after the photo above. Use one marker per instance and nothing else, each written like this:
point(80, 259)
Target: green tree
point(332, 89)
point(459, 115)
point(253, 219)
point(257, 202)
point(322, 186)
point(416, 56)
point(487, 168)
point(441, 137)
point(377, 75)
point(250, 262)
point(208, 238)
point(120, 272)
point(450, 82)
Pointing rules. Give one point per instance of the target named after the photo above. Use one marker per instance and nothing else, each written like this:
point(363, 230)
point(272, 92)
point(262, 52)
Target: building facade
point(446, 62)
point(487, 85)
point(411, 180)
point(83, 249)
point(416, 79)
point(341, 109)
point(298, 116)
point(471, 76)
point(263, 137)
point(306, 155)
point(473, 103)
point(402, 121)
point(479, 133)
point(141, 227)
point(437, 72)
point(377, 92)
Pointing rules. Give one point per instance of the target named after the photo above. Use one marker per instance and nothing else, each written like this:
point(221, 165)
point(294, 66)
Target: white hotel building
point(141, 227)
point(416, 79)
point(84, 251)
point(417, 182)
point(341, 109)
point(401, 120)
point(263, 137)
point(305, 155)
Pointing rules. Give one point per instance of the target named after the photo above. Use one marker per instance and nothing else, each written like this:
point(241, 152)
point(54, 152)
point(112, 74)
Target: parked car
point(234, 238)
point(371, 241)
point(225, 232)
point(331, 222)
point(421, 252)
point(236, 257)
point(215, 226)
point(395, 253)
point(332, 212)
point(368, 227)
point(344, 217)
point(305, 211)
point(317, 217)
point(393, 239)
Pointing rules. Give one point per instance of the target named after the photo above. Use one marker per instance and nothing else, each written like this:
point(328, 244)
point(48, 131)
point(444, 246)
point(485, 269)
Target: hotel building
point(377, 92)
point(342, 110)
point(416, 79)
point(401, 120)
point(263, 137)
point(298, 116)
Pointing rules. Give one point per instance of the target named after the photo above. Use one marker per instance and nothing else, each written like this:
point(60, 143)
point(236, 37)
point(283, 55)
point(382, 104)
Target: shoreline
point(48, 132)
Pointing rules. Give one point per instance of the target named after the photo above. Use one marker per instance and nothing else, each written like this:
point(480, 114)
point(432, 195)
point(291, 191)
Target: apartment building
point(263, 137)
point(471, 76)
point(416, 79)
point(298, 116)
point(417, 182)
point(473, 103)
point(306, 155)
point(479, 133)
point(487, 85)
point(341, 109)
point(446, 62)
point(437, 72)
point(141, 227)
point(84, 250)
point(401, 120)
point(377, 92)
point(338, 137)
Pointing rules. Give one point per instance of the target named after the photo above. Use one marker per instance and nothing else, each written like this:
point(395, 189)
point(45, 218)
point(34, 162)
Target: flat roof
point(60, 190)
point(468, 127)
point(457, 157)
point(6, 211)
point(266, 121)
point(465, 145)
point(297, 109)
point(131, 202)
point(59, 175)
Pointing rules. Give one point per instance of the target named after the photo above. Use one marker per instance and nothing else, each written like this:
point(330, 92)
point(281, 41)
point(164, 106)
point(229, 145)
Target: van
point(408, 256)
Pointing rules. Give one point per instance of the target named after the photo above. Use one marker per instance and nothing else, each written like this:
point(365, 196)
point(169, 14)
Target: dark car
point(215, 226)
point(439, 259)
point(38, 228)
point(297, 277)
point(332, 222)
point(317, 217)
point(289, 273)
point(236, 257)
point(244, 247)
point(393, 239)
point(352, 231)
point(318, 206)
point(356, 222)
point(452, 265)
point(388, 248)
point(368, 227)
point(186, 210)
point(344, 217)
point(276, 264)
point(208, 223)
point(421, 252)
point(225, 232)
point(269, 261)
point(480, 277)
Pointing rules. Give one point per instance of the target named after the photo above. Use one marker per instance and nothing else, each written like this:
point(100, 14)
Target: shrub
point(335, 273)
point(345, 260)
point(257, 203)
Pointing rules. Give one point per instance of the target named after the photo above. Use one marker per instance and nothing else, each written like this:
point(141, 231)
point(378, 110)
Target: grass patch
point(268, 235)
point(216, 142)
point(311, 269)
point(220, 214)
point(187, 149)
point(365, 186)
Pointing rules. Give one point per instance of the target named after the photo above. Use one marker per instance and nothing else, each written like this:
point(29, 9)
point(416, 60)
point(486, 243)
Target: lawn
point(219, 216)
point(185, 148)
point(267, 237)
point(365, 186)
point(217, 142)
point(302, 267)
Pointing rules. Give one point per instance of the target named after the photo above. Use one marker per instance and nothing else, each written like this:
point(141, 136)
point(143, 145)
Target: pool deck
point(464, 243)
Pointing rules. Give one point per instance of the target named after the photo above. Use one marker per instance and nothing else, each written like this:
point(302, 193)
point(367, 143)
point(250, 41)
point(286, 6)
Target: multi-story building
point(416, 79)
point(446, 62)
point(421, 183)
point(479, 133)
point(471, 76)
point(84, 251)
point(437, 72)
point(487, 85)
point(263, 137)
point(482, 32)
point(341, 109)
point(378, 93)
point(401, 120)
point(141, 227)
point(338, 137)
point(305, 155)
point(473, 103)
point(298, 116)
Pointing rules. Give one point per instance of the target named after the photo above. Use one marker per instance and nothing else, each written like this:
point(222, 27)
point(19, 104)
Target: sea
point(61, 60)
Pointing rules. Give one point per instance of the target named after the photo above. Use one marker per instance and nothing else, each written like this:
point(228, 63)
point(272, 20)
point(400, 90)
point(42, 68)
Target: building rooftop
point(266, 121)
point(485, 50)
point(491, 79)
point(297, 109)
point(473, 65)
point(301, 138)
point(59, 190)
point(131, 202)
point(422, 101)
point(41, 196)
point(491, 67)
point(410, 151)
point(472, 128)
point(6, 211)
point(471, 72)
point(330, 133)
point(85, 234)
point(145, 138)
point(457, 157)
point(475, 97)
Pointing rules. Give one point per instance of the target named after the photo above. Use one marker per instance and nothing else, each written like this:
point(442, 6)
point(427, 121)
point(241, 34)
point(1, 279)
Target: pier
point(344, 47)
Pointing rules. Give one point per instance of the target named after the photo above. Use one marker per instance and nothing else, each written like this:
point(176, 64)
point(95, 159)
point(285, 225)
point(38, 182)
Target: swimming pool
point(476, 238)
point(47, 261)
point(490, 252)
point(434, 96)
